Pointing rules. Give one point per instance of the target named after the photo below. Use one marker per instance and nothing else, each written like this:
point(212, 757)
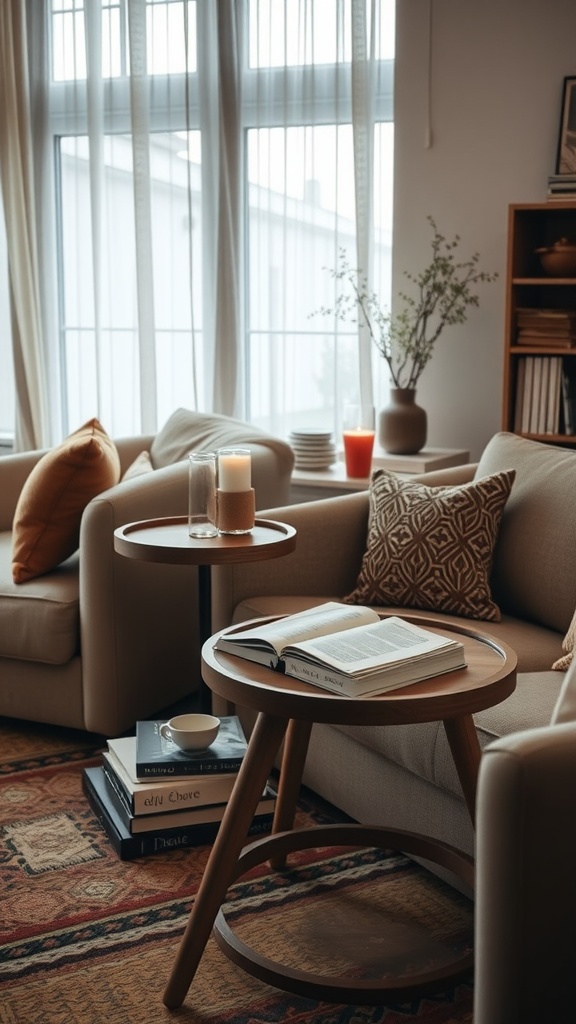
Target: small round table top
point(490, 677)
point(168, 541)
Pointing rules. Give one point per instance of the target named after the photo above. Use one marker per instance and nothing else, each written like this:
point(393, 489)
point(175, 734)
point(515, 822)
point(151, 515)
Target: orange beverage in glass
point(358, 436)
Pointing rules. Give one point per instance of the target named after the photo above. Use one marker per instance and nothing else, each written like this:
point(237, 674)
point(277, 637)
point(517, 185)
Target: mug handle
point(165, 731)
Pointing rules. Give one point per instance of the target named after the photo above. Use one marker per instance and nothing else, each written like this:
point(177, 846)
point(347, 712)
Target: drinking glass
point(202, 494)
point(358, 436)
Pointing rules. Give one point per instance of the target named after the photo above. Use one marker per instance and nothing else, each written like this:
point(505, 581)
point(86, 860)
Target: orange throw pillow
point(46, 528)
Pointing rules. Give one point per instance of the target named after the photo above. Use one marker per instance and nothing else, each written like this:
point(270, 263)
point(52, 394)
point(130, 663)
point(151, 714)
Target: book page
point(387, 641)
point(315, 622)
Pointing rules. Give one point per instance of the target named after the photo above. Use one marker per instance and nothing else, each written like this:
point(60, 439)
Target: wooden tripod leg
point(219, 873)
point(293, 760)
point(463, 740)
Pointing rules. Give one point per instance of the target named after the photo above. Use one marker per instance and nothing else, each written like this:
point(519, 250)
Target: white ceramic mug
point(191, 732)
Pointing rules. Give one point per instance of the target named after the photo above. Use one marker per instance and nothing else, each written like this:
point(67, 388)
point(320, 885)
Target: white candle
point(234, 470)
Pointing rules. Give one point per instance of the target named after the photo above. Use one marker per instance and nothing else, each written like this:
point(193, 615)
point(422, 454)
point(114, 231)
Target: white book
point(554, 394)
point(347, 649)
point(143, 797)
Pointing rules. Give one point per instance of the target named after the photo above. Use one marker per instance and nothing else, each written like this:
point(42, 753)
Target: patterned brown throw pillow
point(432, 547)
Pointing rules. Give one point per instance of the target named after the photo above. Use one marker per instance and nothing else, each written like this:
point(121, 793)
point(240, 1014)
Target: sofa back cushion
point(533, 575)
point(187, 431)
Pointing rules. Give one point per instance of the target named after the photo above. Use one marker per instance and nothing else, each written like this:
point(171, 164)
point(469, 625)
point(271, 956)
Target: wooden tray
point(167, 540)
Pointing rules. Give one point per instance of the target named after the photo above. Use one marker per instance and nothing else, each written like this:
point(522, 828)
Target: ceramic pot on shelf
point(402, 425)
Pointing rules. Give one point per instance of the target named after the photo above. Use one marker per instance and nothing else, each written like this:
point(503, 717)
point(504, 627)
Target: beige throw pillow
point(139, 467)
point(432, 547)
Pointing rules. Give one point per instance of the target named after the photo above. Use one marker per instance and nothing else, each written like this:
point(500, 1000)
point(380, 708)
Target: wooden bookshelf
point(532, 226)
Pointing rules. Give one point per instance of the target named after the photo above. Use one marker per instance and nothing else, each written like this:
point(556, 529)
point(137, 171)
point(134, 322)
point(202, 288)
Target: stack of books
point(151, 797)
point(545, 395)
point(561, 188)
point(546, 328)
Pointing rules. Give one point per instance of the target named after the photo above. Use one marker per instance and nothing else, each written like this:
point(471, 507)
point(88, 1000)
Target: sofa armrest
point(525, 898)
point(138, 620)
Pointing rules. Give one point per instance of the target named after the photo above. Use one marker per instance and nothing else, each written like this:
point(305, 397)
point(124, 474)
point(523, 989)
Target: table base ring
point(359, 991)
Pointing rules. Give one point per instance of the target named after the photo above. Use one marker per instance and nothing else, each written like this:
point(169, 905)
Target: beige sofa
point(104, 640)
point(404, 776)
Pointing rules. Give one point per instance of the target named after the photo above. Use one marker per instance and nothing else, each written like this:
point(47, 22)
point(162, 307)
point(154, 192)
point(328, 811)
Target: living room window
point(205, 164)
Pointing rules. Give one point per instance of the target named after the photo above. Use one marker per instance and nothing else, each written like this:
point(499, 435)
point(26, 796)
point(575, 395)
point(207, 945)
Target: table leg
point(293, 760)
point(463, 740)
point(205, 627)
point(219, 873)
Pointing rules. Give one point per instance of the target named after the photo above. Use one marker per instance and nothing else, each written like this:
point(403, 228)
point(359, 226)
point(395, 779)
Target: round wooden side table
point(168, 541)
point(287, 708)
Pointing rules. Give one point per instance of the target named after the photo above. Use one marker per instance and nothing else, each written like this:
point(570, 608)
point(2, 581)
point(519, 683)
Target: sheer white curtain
point(319, 144)
point(17, 178)
point(209, 161)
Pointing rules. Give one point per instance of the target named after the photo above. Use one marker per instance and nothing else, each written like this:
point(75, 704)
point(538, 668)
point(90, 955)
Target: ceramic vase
point(402, 424)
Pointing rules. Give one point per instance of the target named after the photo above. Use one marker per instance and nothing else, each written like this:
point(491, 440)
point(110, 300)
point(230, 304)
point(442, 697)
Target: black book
point(160, 758)
point(129, 847)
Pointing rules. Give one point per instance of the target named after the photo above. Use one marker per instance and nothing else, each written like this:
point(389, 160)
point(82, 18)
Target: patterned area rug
point(88, 939)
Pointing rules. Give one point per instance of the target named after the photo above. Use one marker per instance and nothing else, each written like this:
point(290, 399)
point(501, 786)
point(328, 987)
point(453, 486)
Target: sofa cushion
point(432, 547)
point(139, 467)
point(533, 575)
point(423, 748)
point(46, 527)
point(187, 431)
point(41, 619)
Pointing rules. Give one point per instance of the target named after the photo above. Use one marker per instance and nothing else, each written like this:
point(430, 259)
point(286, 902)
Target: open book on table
point(348, 649)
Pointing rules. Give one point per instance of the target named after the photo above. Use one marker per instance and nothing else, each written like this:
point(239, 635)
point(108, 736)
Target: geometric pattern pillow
point(432, 547)
point(46, 526)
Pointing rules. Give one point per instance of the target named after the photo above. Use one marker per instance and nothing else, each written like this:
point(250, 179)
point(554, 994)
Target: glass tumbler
point(202, 494)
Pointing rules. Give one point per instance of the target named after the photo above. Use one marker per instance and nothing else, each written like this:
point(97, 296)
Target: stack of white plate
point(313, 448)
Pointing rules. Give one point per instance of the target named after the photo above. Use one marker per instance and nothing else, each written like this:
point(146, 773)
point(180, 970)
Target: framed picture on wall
point(566, 158)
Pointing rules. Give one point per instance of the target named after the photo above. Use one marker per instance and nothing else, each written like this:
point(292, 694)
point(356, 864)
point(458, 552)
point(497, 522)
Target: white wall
point(497, 70)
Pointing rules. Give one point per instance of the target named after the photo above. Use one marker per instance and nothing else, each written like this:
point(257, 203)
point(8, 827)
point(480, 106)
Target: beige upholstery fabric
point(565, 709)
point(530, 579)
point(186, 430)
point(40, 620)
point(431, 547)
point(142, 464)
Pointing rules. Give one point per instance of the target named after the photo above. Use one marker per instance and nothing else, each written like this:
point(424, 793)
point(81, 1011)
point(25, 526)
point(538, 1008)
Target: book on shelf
point(545, 339)
point(538, 395)
point(527, 396)
point(347, 649)
point(151, 797)
point(160, 758)
point(129, 846)
point(554, 392)
point(568, 377)
point(519, 398)
point(176, 817)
